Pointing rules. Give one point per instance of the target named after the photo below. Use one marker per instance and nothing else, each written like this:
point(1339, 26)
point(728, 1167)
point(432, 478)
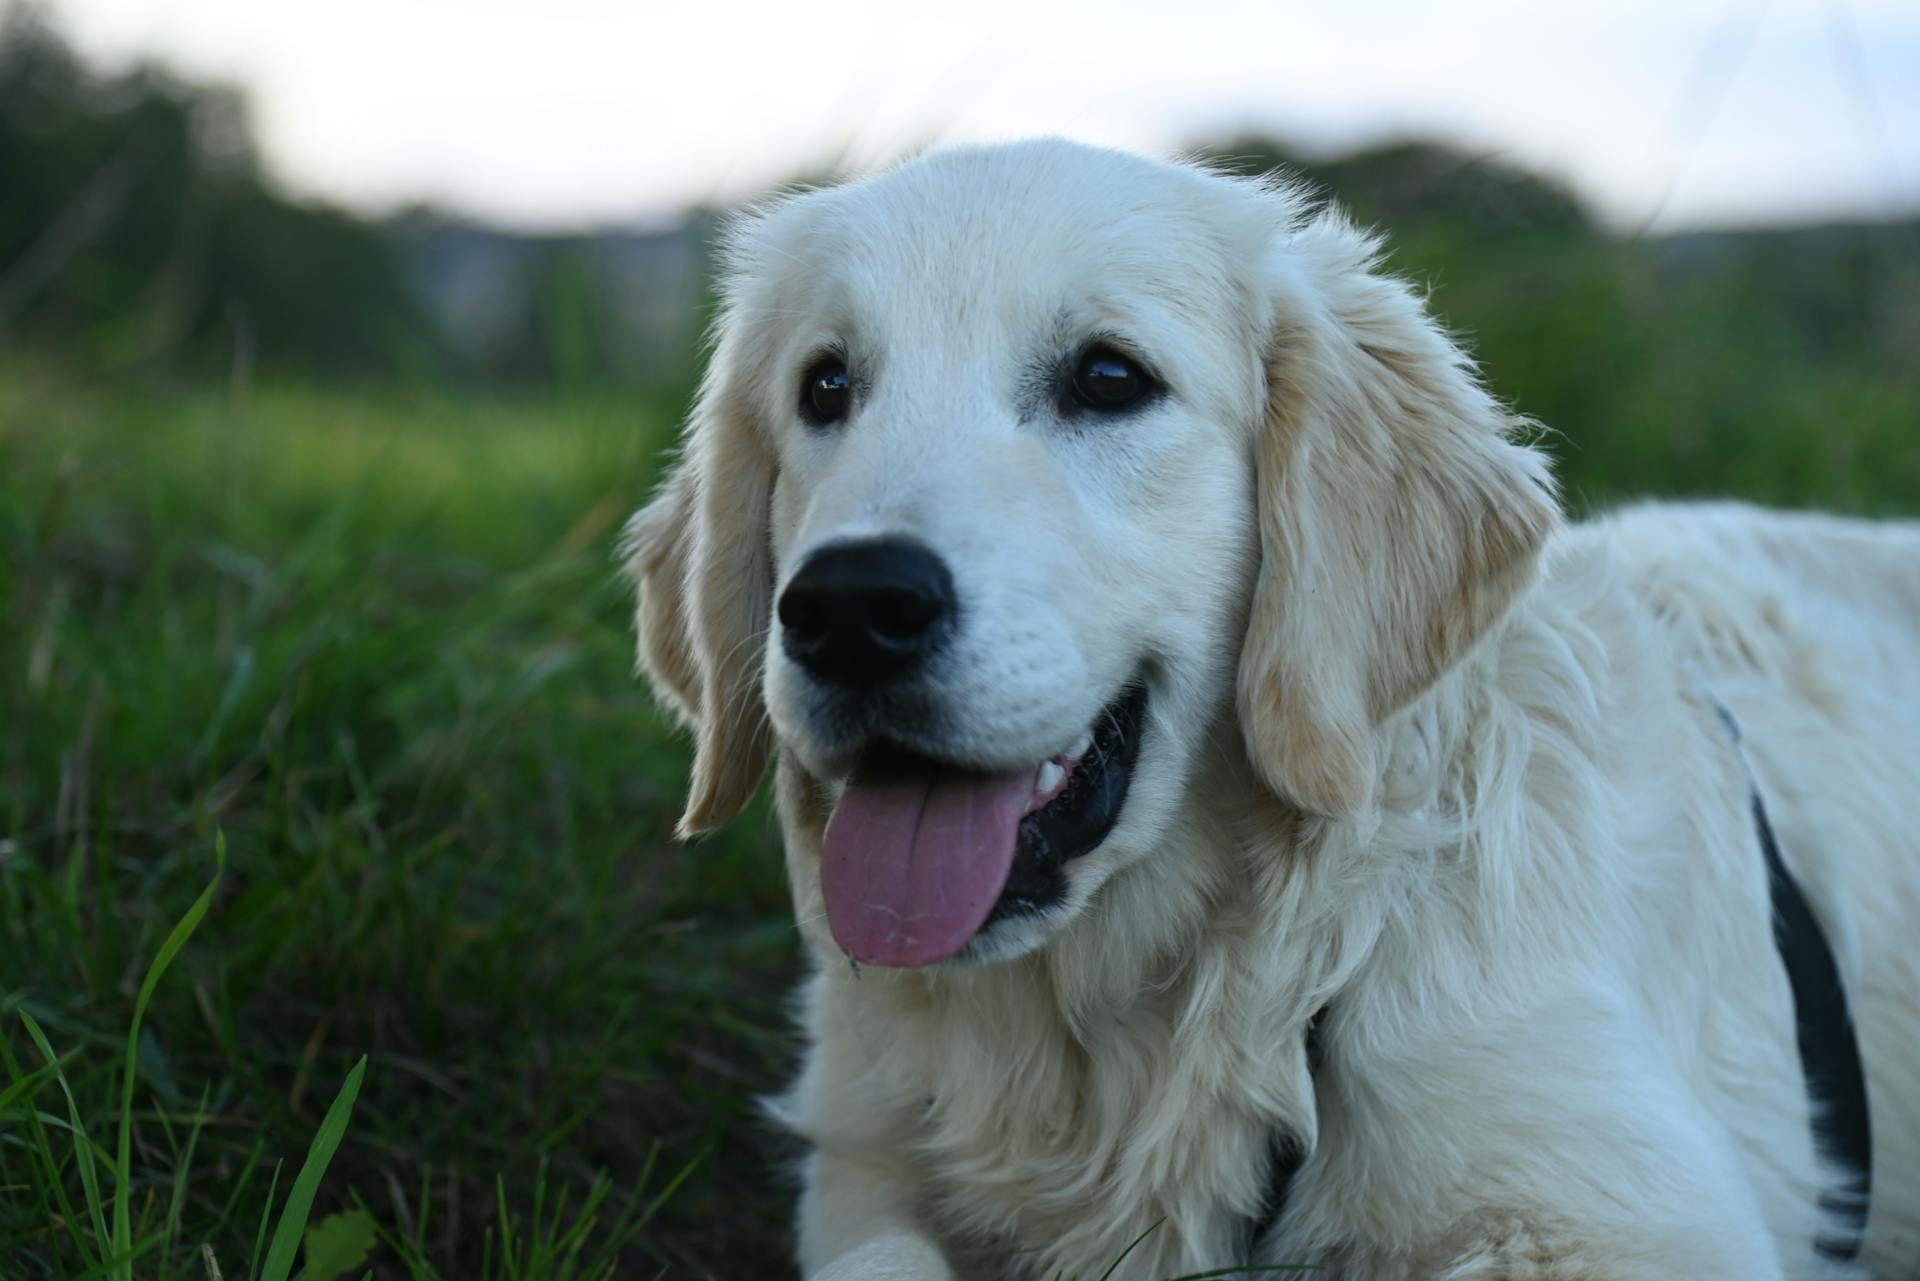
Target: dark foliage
point(137, 230)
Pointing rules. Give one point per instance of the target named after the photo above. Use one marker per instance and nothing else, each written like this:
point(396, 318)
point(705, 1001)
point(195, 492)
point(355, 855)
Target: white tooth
point(1050, 777)
point(1082, 747)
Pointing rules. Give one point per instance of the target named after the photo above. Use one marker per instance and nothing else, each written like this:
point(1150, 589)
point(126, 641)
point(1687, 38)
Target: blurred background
point(336, 341)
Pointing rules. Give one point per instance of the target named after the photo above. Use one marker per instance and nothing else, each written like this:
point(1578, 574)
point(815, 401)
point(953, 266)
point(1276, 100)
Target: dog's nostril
point(857, 614)
point(801, 613)
point(902, 617)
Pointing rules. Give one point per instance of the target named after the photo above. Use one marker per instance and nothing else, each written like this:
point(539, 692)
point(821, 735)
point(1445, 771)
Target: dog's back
point(1808, 628)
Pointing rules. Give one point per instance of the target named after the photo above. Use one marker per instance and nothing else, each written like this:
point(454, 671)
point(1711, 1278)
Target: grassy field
point(378, 649)
point(372, 647)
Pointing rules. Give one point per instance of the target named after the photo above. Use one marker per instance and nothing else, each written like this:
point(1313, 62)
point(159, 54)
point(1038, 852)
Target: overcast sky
point(556, 113)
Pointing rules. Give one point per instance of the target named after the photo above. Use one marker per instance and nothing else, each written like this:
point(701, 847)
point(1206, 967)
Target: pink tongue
point(915, 859)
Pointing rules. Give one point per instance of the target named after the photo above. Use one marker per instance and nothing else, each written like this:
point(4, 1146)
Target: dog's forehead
point(1008, 236)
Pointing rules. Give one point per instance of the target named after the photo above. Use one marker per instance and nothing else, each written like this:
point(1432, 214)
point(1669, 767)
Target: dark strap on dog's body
point(1829, 1044)
point(1829, 1052)
point(1285, 1155)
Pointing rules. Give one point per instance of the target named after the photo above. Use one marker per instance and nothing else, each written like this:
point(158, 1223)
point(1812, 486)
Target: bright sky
point(555, 113)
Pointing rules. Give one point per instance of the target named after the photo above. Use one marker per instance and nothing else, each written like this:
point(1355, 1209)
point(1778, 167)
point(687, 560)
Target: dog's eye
point(825, 391)
point(1104, 379)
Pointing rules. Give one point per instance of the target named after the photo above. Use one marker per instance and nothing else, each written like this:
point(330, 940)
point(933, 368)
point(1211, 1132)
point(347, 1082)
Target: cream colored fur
point(1414, 754)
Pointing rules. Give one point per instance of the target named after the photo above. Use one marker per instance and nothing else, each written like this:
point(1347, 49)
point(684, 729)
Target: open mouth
point(921, 854)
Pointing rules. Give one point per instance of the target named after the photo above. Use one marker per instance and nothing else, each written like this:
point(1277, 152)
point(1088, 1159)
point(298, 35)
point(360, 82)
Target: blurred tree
point(1421, 184)
point(135, 227)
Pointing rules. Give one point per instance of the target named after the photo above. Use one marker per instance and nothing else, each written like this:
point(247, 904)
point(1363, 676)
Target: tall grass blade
point(50, 1164)
point(123, 1155)
point(266, 1212)
point(287, 1234)
point(82, 1145)
point(182, 1170)
point(509, 1257)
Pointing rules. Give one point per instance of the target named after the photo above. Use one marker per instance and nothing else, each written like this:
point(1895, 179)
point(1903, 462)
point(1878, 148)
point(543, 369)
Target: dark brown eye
point(825, 391)
point(1103, 379)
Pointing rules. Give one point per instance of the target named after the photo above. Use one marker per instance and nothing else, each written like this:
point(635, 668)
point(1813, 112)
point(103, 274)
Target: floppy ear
point(700, 557)
point(1398, 519)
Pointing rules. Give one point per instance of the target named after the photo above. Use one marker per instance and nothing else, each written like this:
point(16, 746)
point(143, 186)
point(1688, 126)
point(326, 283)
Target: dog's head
point(1016, 473)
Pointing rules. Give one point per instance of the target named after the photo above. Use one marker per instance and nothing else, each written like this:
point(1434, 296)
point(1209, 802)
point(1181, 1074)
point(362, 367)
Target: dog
point(1233, 819)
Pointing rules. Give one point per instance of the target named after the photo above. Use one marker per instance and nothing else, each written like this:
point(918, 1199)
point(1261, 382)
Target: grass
point(378, 647)
point(552, 1246)
point(113, 1253)
point(372, 645)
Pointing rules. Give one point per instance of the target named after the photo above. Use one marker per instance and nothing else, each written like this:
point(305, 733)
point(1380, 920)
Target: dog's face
point(1012, 468)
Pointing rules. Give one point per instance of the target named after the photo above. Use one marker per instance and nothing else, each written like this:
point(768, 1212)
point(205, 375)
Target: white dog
point(1226, 810)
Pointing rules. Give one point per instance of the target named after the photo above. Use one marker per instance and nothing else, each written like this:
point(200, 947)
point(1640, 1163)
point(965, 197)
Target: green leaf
point(338, 1244)
point(293, 1218)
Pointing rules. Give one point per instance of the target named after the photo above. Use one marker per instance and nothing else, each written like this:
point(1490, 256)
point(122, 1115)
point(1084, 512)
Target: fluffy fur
point(1416, 754)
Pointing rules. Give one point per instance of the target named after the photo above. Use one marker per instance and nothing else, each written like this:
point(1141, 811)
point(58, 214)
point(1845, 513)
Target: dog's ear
point(700, 557)
point(1399, 518)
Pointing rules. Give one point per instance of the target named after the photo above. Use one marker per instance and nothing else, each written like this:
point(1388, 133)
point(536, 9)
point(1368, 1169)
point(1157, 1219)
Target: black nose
point(861, 613)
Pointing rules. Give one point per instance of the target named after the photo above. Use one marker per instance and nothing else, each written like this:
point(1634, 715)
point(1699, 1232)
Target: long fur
point(1420, 757)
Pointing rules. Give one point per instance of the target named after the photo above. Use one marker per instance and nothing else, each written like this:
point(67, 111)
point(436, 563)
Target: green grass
point(374, 644)
point(553, 1246)
point(378, 647)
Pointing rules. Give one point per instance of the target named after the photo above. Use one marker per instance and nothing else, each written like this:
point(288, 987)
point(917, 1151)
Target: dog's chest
point(1059, 1151)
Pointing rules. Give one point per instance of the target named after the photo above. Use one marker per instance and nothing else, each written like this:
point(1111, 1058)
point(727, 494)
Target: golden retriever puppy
point(1228, 812)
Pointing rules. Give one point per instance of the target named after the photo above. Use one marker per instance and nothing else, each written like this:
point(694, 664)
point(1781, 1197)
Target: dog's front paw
point(897, 1256)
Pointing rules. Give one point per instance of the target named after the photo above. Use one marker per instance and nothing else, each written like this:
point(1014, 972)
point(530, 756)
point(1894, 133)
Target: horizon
point(1660, 118)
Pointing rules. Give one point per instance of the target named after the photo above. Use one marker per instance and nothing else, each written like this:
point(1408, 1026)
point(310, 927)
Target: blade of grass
point(426, 1205)
point(182, 1169)
point(620, 1231)
point(1131, 1247)
point(109, 1266)
point(293, 1217)
point(242, 1183)
point(27, 1085)
point(82, 1145)
point(570, 1240)
point(666, 1193)
point(49, 1163)
point(123, 1154)
point(1249, 1269)
point(418, 1269)
point(508, 1257)
point(266, 1212)
point(237, 679)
